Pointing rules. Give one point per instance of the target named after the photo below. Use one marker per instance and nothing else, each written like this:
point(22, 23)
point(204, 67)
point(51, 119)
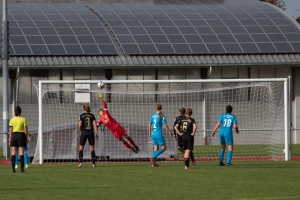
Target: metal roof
point(161, 60)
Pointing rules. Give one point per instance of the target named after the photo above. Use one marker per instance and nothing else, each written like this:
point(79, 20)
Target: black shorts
point(89, 136)
point(18, 139)
point(188, 141)
point(179, 141)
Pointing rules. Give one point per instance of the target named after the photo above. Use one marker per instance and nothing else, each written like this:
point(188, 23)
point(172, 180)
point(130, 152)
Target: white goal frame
point(287, 105)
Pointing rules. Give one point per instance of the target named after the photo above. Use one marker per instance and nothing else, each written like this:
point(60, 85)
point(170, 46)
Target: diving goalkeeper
point(117, 130)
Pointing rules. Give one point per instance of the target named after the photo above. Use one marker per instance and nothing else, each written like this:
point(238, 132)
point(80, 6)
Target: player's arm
point(194, 129)
point(167, 127)
point(27, 133)
point(96, 129)
point(10, 133)
point(177, 130)
point(216, 128)
point(175, 122)
point(104, 105)
point(99, 122)
point(149, 130)
point(80, 125)
point(235, 126)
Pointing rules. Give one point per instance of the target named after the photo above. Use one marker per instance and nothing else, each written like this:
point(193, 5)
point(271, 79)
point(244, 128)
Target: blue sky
point(292, 6)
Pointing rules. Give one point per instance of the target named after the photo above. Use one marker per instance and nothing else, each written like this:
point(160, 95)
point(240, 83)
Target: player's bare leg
point(93, 155)
point(187, 159)
point(80, 155)
point(132, 142)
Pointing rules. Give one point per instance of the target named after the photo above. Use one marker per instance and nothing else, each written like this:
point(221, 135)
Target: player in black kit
point(87, 125)
point(179, 137)
point(188, 130)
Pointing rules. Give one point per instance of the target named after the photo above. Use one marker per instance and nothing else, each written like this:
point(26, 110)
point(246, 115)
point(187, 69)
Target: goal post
point(262, 107)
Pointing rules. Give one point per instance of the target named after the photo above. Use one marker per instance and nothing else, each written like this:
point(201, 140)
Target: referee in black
point(18, 137)
point(188, 130)
point(179, 137)
point(87, 126)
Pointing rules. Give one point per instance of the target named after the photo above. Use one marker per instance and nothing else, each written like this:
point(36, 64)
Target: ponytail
point(182, 111)
point(86, 108)
point(189, 112)
point(158, 108)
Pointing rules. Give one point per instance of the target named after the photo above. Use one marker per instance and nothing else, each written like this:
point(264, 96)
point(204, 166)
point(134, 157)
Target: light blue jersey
point(227, 120)
point(157, 124)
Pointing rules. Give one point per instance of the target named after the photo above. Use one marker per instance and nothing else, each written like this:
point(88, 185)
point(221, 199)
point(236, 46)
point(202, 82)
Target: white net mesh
point(259, 107)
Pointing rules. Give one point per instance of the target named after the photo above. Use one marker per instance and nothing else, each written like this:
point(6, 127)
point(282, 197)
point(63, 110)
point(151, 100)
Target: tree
point(278, 3)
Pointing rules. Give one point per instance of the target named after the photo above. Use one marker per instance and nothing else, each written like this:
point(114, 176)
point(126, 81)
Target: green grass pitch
point(244, 181)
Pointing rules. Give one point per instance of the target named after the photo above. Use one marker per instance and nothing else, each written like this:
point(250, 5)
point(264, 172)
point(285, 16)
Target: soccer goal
point(262, 107)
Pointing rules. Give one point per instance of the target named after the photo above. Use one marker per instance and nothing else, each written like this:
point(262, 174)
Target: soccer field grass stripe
point(271, 198)
point(248, 181)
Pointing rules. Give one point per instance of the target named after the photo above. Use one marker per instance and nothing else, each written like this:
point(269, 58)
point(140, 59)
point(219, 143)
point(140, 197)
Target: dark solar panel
point(249, 48)
point(131, 48)
point(166, 27)
point(40, 28)
point(198, 48)
point(35, 39)
point(232, 48)
point(165, 48)
point(215, 48)
point(73, 49)
point(56, 49)
point(266, 47)
point(296, 46)
point(52, 40)
point(39, 49)
point(18, 40)
point(181, 48)
point(148, 49)
point(283, 47)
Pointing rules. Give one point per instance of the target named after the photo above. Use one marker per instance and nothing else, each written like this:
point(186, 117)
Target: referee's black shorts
point(84, 136)
point(188, 141)
point(18, 139)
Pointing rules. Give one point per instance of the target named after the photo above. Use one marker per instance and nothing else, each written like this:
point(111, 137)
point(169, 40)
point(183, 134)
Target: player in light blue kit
point(226, 121)
point(25, 156)
point(156, 123)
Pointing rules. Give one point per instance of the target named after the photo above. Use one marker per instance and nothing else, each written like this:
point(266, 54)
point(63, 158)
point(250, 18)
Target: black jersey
point(186, 125)
point(87, 122)
point(176, 120)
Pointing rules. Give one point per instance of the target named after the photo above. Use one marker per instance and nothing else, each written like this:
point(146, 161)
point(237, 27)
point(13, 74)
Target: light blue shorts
point(226, 138)
point(158, 141)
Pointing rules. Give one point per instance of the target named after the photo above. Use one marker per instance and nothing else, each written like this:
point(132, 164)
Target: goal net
point(261, 107)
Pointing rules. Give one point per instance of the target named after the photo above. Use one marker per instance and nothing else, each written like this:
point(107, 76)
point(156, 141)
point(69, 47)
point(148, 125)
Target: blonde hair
point(189, 111)
point(158, 108)
point(86, 108)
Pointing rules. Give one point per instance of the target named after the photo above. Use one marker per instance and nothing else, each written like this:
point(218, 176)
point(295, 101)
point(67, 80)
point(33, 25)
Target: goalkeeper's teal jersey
point(157, 124)
point(227, 120)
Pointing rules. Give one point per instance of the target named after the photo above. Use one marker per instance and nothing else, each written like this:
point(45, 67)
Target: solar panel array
point(153, 27)
point(56, 29)
point(200, 27)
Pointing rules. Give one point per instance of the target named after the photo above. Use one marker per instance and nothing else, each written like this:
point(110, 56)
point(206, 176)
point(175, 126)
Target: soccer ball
point(101, 85)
